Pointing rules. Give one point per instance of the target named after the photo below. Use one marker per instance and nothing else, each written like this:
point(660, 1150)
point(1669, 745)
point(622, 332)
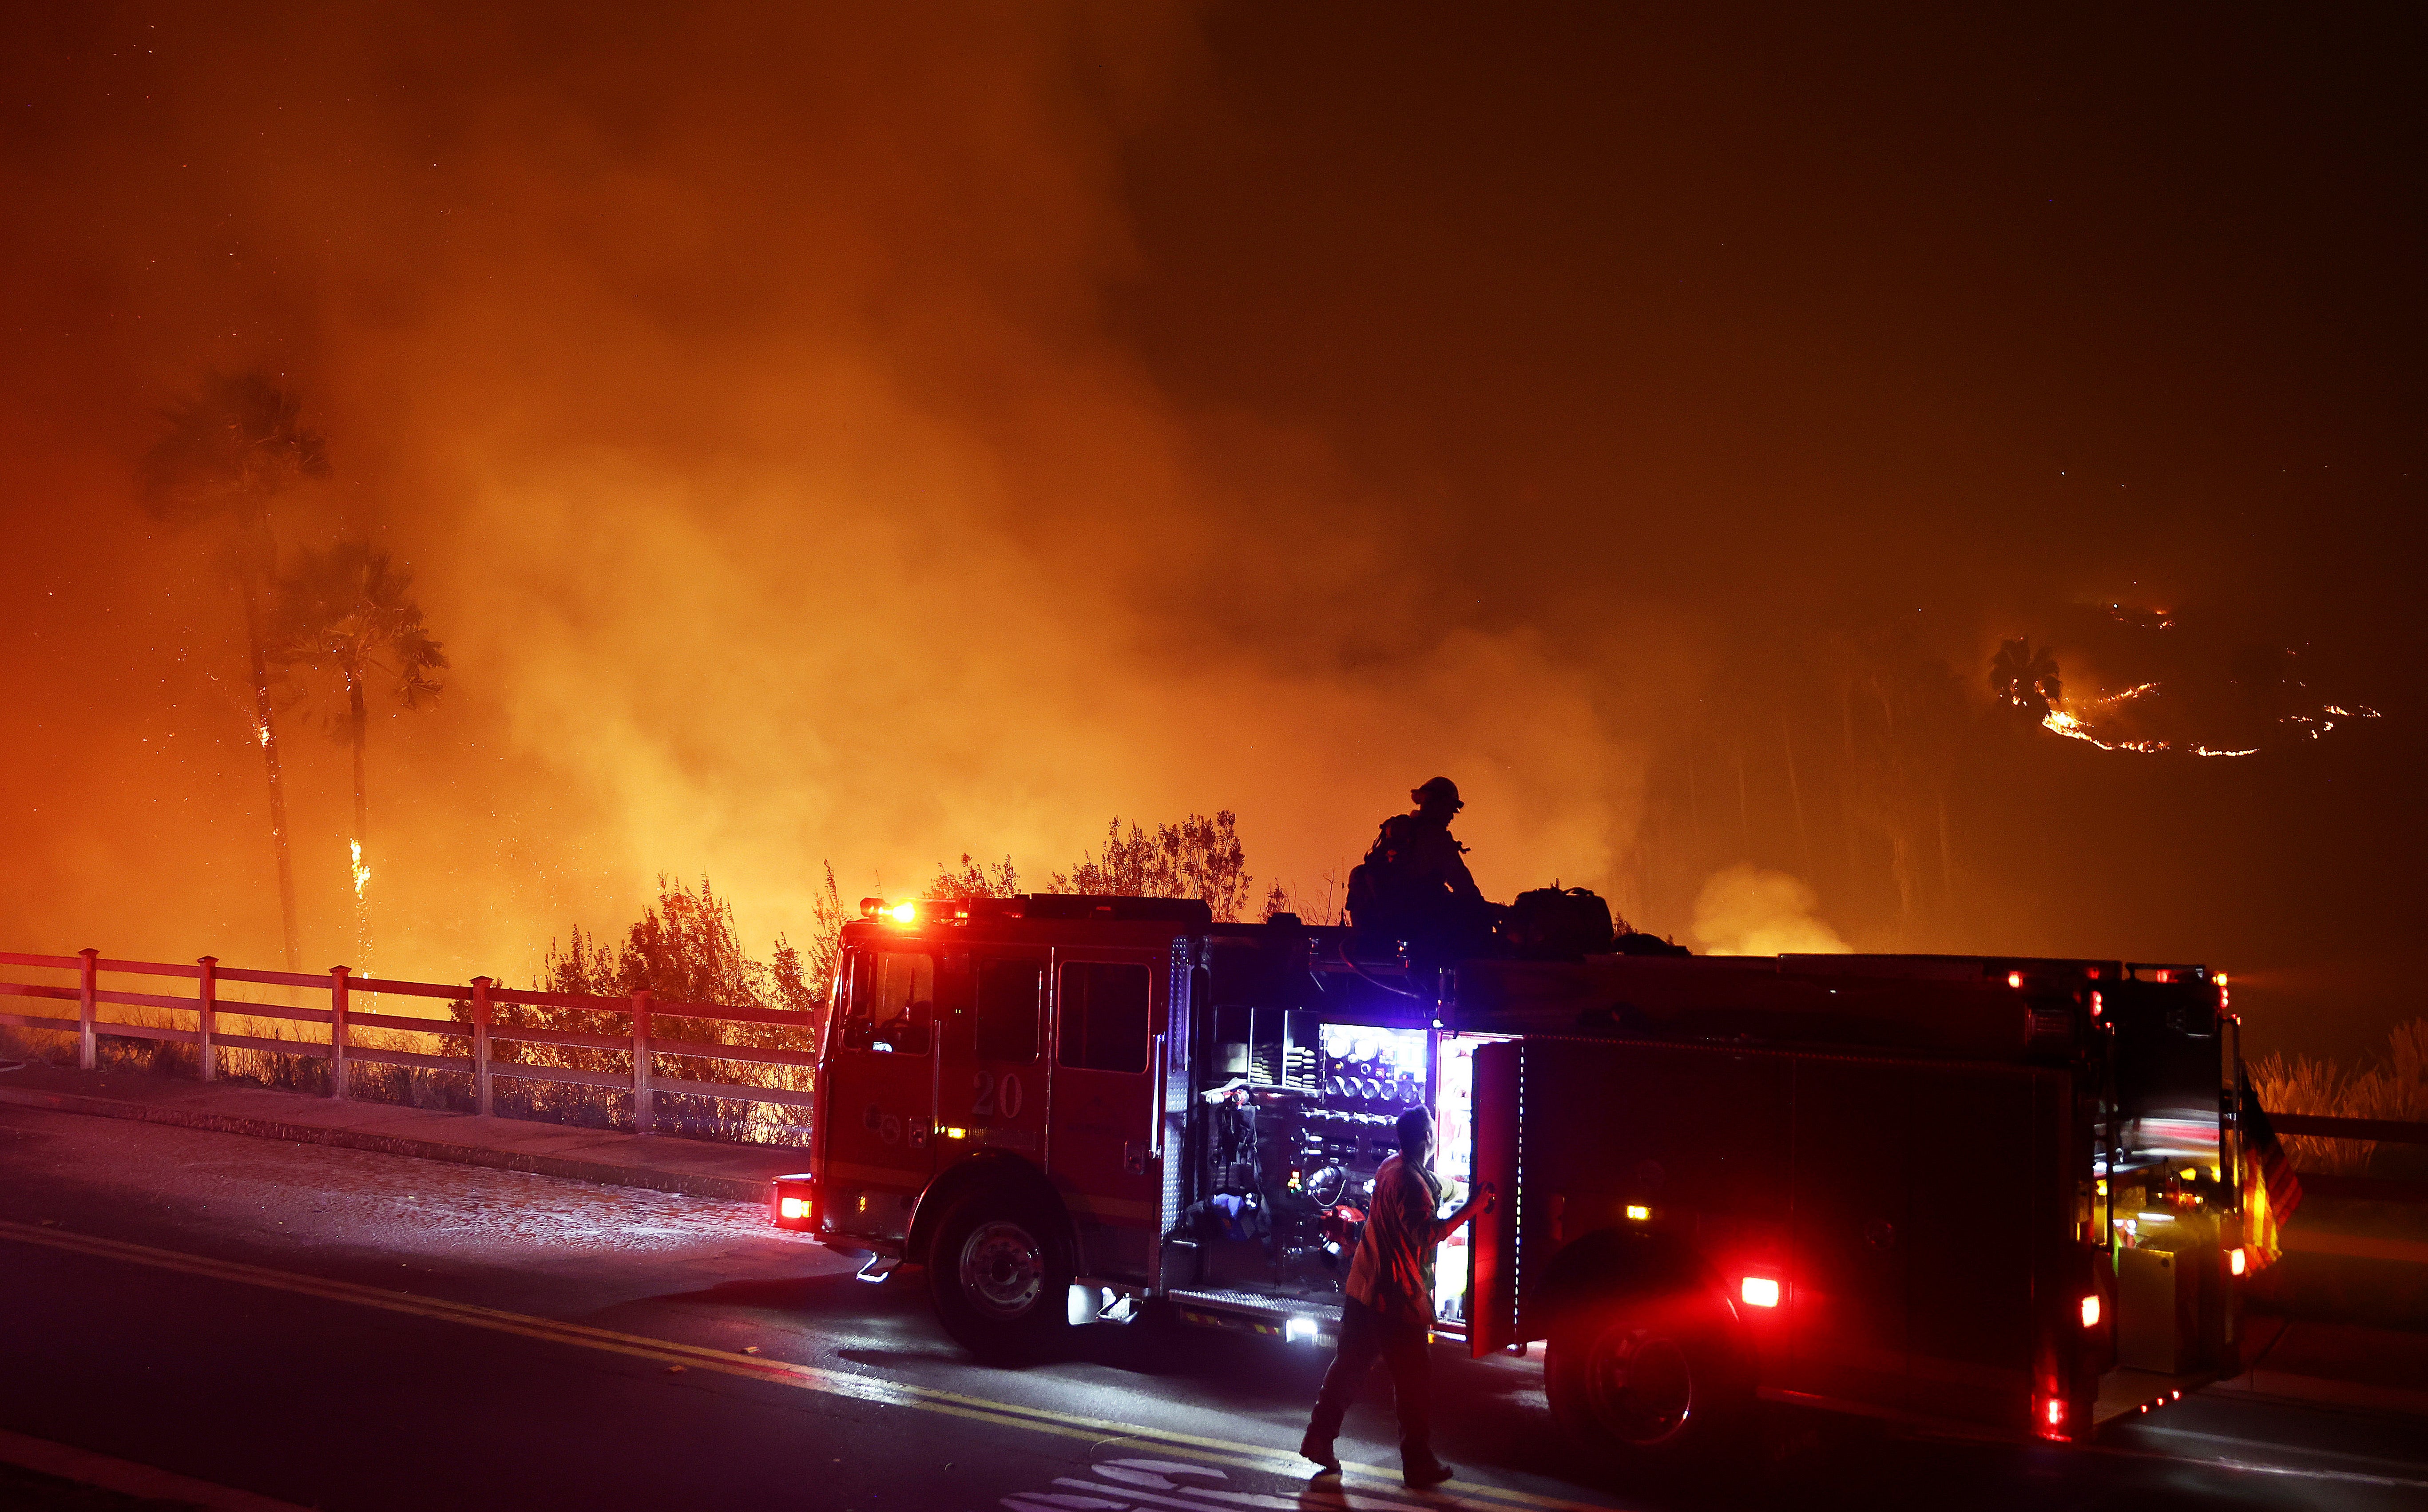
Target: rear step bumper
point(2128, 1393)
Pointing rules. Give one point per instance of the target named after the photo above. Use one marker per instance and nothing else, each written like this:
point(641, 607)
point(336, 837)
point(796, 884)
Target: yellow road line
point(781, 1372)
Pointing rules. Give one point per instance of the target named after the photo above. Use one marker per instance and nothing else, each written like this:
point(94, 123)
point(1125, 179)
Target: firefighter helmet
point(1438, 787)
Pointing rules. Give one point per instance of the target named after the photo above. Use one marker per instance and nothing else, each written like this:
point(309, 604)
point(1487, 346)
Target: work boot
point(1431, 1473)
point(1321, 1450)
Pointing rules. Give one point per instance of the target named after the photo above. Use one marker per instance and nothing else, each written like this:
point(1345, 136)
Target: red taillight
point(2049, 1418)
point(2091, 1312)
point(2015, 979)
point(795, 1202)
point(1760, 1292)
point(2235, 1263)
point(2095, 1005)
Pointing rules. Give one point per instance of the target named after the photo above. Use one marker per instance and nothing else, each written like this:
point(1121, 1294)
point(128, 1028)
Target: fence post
point(338, 1087)
point(88, 1004)
point(480, 1101)
point(642, 1098)
point(207, 1007)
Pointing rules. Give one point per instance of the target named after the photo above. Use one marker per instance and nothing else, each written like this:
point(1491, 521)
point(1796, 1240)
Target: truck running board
point(1296, 1320)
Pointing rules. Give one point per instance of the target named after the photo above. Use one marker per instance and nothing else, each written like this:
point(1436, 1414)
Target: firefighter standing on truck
point(1414, 884)
point(1388, 1311)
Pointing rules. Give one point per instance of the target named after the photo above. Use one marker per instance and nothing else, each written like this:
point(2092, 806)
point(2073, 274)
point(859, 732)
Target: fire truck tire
point(1648, 1381)
point(1000, 1273)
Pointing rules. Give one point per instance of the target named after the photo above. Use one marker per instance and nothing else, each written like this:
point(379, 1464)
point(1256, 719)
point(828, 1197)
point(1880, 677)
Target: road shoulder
point(146, 1484)
point(697, 1168)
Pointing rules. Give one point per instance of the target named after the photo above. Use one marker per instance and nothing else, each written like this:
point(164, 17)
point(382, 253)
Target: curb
point(731, 1189)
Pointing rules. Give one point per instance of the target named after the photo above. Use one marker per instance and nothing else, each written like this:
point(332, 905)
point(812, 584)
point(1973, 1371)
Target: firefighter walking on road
point(1389, 1313)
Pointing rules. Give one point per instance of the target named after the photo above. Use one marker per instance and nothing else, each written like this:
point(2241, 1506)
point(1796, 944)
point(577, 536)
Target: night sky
point(872, 438)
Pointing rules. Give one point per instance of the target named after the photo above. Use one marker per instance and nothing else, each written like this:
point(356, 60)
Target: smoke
point(1745, 911)
point(886, 434)
point(740, 389)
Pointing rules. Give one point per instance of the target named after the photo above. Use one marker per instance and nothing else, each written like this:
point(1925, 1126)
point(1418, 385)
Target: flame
point(362, 873)
point(2065, 722)
point(261, 730)
point(2318, 724)
point(2105, 700)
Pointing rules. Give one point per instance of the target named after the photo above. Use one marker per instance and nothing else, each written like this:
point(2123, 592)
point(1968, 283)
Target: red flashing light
point(2015, 979)
point(2049, 1417)
point(2235, 1263)
point(2096, 1005)
point(1759, 1292)
point(2091, 1311)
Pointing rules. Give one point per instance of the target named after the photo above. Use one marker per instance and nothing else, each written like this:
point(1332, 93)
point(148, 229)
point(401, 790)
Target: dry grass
point(2393, 1086)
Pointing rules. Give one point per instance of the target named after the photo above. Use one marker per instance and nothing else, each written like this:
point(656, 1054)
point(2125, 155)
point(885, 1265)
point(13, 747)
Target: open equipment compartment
point(1309, 1061)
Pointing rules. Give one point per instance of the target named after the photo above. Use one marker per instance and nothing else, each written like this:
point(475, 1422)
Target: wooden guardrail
point(483, 1031)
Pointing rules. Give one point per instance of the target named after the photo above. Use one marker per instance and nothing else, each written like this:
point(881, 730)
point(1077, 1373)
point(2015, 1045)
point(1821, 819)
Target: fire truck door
point(1106, 1124)
point(991, 1077)
point(880, 1131)
point(1848, 1242)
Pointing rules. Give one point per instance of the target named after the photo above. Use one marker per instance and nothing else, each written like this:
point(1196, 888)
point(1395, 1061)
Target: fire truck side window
point(892, 1003)
point(1104, 1016)
point(1010, 995)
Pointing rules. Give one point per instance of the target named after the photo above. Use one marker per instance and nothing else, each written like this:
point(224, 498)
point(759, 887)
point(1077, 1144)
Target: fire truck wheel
point(1648, 1380)
point(1001, 1274)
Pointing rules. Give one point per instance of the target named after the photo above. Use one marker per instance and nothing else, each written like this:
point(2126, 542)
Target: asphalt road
point(347, 1330)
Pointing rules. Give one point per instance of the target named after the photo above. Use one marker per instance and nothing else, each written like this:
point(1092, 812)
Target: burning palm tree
point(2025, 679)
point(348, 614)
point(228, 452)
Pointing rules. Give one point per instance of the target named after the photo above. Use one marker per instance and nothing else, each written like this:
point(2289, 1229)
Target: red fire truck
point(1991, 1195)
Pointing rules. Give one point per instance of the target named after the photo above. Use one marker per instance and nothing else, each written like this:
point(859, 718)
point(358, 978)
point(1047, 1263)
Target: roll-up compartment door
point(1495, 1160)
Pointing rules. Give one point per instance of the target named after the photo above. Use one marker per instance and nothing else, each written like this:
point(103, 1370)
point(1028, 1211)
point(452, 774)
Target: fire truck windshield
point(893, 1004)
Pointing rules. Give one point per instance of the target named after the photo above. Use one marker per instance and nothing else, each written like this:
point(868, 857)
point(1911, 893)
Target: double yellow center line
point(752, 1367)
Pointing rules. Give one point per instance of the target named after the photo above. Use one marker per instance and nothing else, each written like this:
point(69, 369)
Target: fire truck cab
point(1986, 1194)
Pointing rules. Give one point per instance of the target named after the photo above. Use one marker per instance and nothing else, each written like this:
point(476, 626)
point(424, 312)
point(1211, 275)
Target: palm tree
point(348, 614)
point(229, 450)
point(2025, 679)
